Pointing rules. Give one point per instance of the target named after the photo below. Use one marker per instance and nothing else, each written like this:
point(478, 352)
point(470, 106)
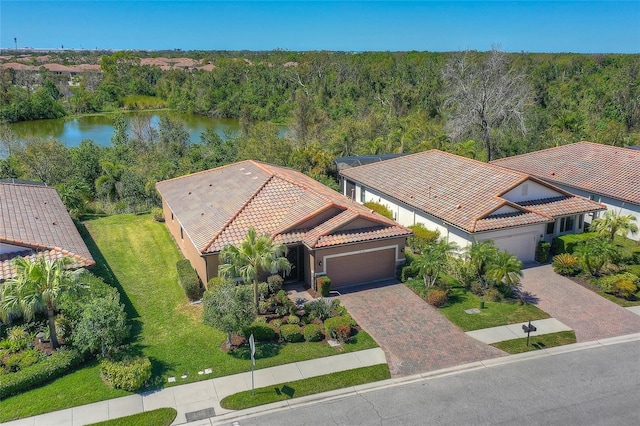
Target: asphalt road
point(599, 386)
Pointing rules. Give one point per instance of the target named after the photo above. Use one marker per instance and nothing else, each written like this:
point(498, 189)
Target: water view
point(99, 127)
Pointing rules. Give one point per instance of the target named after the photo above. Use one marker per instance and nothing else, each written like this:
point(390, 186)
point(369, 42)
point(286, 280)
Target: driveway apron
point(591, 316)
point(413, 335)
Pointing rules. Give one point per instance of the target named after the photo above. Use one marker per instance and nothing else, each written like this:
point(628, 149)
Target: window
point(362, 194)
point(171, 216)
point(566, 224)
point(580, 219)
point(181, 233)
point(550, 228)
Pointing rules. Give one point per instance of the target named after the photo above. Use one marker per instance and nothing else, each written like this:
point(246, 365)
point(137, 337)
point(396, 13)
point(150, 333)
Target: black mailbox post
point(528, 329)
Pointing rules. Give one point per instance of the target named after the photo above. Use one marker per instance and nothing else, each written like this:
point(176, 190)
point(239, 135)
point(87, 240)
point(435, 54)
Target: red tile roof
point(461, 191)
point(217, 207)
point(34, 222)
point(592, 167)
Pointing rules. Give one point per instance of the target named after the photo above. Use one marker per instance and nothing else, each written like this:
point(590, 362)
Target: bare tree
point(484, 96)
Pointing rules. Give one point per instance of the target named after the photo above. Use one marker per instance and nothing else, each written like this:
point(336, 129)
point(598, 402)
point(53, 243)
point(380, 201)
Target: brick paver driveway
point(591, 316)
point(413, 335)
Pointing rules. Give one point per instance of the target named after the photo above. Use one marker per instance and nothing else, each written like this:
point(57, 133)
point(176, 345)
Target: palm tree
point(595, 253)
point(612, 224)
point(36, 288)
point(433, 260)
point(255, 255)
point(505, 268)
point(481, 255)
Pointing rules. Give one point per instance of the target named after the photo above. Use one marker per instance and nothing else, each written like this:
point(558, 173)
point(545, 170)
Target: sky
point(511, 26)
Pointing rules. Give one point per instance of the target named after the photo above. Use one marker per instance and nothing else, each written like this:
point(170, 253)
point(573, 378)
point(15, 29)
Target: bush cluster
point(567, 243)
point(542, 251)
point(128, 374)
point(565, 264)
point(261, 332)
point(52, 367)
point(291, 333)
point(324, 286)
point(437, 297)
point(313, 333)
point(188, 279)
point(335, 327)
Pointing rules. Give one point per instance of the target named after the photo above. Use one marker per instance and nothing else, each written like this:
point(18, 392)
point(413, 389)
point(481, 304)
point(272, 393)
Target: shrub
point(437, 297)
point(263, 290)
point(313, 333)
point(331, 325)
point(52, 367)
point(188, 279)
point(342, 333)
point(324, 285)
point(157, 214)
point(261, 332)
point(321, 308)
point(291, 333)
point(275, 283)
point(128, 374)
point(281, 297)
point(260, 320)
point(379, 208)
point(21, 360)
point(421, 237)
point(607, 283)
point(277, 323)
point(215, 282)
point(493, 295)
point(542, 251)
point(293, 319)
point(625, 288)
point(567, 243)
point(565, 264)
point(263, 306)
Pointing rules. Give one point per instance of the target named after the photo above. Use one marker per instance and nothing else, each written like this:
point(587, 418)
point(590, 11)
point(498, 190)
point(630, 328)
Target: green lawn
point(543, 341)
point(310, 386)
point(492, 315)
point(159, 417)
point(138, 256)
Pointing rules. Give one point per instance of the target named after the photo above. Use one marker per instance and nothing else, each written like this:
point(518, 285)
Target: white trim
point(329, 256)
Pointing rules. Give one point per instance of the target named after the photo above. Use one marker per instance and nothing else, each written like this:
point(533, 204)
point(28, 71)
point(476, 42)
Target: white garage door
point(522, 245)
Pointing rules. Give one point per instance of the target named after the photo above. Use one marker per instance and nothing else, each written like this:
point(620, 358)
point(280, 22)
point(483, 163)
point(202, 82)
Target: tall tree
point(37, 288)
point(612, 224)
point(484, 95)
point(506, 269)
point(255, 255)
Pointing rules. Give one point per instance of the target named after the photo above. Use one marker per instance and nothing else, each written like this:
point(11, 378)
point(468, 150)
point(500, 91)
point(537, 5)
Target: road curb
point(389, 383)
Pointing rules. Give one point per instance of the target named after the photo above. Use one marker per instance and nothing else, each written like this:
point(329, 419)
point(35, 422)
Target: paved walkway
point(414, 335)
point(591, 316)
point(201, 400)
point(514, 331)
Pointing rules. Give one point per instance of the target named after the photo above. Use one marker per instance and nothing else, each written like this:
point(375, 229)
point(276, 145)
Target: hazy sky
point(530, 26)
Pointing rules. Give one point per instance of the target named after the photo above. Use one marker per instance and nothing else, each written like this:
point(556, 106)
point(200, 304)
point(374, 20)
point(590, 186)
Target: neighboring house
point(604, 173)
point(325, 232)
point(467, 200)
point(34, 223)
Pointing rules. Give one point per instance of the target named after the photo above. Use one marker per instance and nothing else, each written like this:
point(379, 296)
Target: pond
point(99, 127)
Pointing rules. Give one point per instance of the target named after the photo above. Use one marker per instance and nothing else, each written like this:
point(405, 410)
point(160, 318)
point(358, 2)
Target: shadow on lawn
point(263, 350)
point(104, 271)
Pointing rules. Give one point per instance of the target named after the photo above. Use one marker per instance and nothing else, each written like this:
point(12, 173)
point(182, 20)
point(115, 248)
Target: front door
point(296, 259)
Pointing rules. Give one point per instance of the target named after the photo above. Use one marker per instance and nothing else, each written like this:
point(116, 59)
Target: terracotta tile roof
point(33, 220)
point(458, 190)
point(601, 169)
point(217, 207)
point(560, 206)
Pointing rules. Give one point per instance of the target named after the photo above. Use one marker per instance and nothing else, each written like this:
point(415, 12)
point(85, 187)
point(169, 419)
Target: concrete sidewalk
point(201, 400)
point(514, 331)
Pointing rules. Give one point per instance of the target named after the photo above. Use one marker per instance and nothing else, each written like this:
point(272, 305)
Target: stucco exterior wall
point(183, 242)
point(529, 190)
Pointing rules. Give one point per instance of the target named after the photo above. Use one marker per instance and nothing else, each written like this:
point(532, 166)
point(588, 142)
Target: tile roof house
point(325, 232)
point(468, 200)
point(34, 223)
point(605, 173)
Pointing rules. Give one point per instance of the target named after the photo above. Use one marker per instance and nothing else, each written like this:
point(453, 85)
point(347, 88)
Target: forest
point(482, 105)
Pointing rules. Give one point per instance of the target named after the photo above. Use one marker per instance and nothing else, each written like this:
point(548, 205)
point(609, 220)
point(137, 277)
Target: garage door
point(521, 245)
point(361, 267)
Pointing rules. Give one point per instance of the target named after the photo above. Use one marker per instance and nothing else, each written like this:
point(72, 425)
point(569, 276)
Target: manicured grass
point(492, 315)
point(83, 386)
point(138, 256)
point(159, 417)
point(543, 341)
point(305, 387)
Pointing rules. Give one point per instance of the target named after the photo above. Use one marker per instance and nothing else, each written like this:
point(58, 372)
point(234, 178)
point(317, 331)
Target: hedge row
point(52, 367)
point(567, 243)
point(188, 279)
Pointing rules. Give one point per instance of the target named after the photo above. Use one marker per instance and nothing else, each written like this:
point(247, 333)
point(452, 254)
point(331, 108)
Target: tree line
point(482, 105)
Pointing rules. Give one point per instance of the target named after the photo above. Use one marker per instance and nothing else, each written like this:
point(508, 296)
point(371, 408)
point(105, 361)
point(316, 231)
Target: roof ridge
point(202, 172)
point(333, 227)
point(236, 214)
